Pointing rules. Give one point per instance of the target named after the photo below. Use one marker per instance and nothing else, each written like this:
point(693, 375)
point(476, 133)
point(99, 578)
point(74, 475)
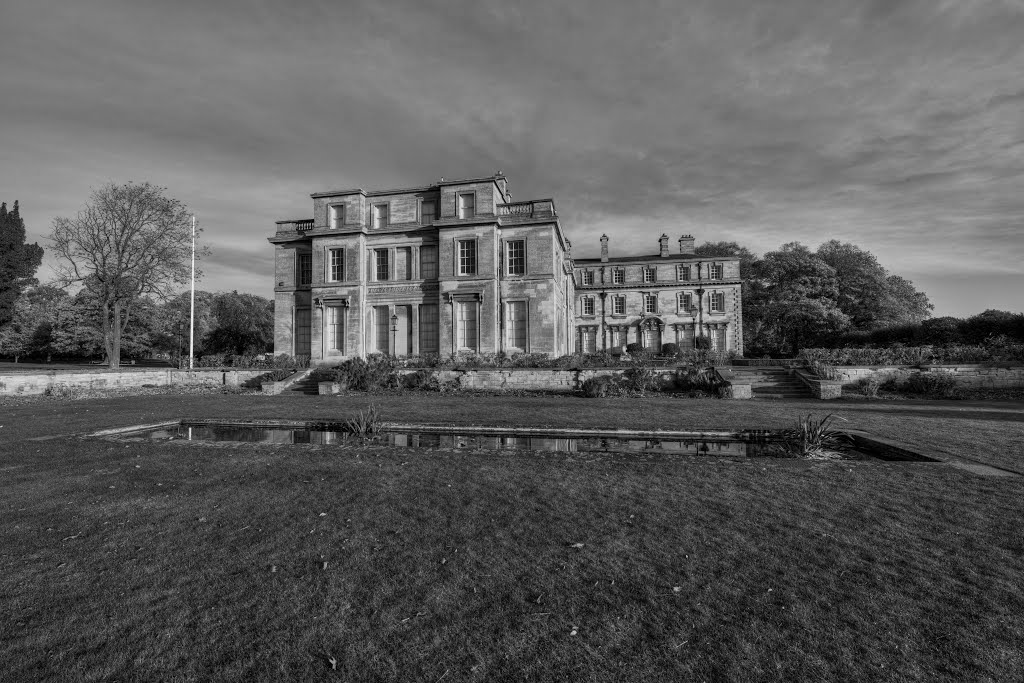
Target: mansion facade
point(458, 266)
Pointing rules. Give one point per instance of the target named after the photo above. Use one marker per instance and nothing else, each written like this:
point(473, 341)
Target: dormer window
point(683, 272)
point(380, 215)
point(588, 277)
point(649, 274)
point(467, 205)
point(716, 271)
point(618, 276)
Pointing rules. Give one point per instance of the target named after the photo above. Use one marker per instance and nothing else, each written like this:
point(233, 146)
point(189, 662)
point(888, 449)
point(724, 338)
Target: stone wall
point(970, 375)
point(36, 383)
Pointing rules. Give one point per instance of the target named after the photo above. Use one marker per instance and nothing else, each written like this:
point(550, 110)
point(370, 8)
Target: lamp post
point(394, 334)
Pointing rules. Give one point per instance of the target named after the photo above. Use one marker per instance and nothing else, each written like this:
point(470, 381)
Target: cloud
point(891, 123)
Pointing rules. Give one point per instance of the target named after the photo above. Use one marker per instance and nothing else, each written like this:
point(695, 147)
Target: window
point(588, 277)
point(650, 303)
point(683, 272)
point(588, 305)
point(516, 325)
point(715, 271)
point(619, 305)
point(427, 211)
point(649, 274)
point(428, 262)
point(467, 205)
point(467, 257)
point(303, 331)
point(381, 330)
point(466, 338)
point(685, 302)
point(515, 256)
point(588, 339)
point(617, 337)
point(618, 276)
point(381, 269)
point(718, 302)
point(335, 265)
point(380, 215)
point(429, 336)
point(304, 266)
point(403, 264)
point(336, 329)
point(338, 216)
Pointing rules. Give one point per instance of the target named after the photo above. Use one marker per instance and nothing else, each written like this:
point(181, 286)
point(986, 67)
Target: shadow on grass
point(947, 413)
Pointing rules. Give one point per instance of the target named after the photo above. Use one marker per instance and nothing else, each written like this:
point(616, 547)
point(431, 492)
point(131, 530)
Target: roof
point(654, 257)
point(402, 190)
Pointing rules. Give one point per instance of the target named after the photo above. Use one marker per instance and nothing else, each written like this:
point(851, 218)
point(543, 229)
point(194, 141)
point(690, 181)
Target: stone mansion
point(458, 266)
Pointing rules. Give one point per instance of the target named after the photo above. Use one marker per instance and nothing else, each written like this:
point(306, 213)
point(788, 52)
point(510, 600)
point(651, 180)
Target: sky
point(897, 125)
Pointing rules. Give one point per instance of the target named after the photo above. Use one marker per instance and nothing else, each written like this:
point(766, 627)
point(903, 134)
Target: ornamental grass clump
point(365, 423)
point(815, 439)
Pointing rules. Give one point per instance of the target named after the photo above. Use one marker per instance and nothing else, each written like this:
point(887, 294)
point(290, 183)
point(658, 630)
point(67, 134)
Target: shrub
point(639, 378)
point(869, 386)
point(66, 391)
point(670, 349)
point(932, 384)
point(283, 360)
point(267, 377)
point(373, 373)
point(599, 387)
point(702, 343)
point(425, 379)
point(824, 370)
point(635, 348)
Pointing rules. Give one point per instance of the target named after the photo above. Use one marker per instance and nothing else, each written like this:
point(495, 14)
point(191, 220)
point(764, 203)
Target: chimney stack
point(686, 244)
point(663, 245)
point(604, 248)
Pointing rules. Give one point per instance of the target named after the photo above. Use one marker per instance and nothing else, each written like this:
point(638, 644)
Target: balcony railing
point(530, 209)
point(524, 209)
point(302, 226)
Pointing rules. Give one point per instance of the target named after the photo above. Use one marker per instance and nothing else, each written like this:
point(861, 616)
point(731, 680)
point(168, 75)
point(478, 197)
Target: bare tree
point(128, 241)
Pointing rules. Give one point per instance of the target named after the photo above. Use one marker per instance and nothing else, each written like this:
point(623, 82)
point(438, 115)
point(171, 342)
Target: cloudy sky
point(894, 124)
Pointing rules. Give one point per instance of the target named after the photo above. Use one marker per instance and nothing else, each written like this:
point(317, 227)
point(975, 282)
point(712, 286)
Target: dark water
point(753, 446)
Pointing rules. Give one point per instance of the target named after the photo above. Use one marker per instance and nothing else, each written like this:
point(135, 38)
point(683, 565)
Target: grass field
point(181, 562)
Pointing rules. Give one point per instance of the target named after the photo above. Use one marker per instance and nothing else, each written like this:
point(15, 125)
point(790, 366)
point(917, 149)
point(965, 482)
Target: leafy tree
point(902, 304)
point(797, 299)
point(171, 334)
point(867, 293)
point(18, 261)
point(128, 242)
point(245, 324)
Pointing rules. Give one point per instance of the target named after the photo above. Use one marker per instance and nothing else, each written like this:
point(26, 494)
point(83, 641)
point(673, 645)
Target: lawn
point(182, 562)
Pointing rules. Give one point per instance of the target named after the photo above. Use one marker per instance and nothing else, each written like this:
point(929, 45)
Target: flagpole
point(192, 310)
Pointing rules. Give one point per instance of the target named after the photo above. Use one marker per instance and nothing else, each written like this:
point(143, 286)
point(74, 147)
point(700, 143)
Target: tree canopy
point(128, 242)
point(794, 296)
point(18, 261)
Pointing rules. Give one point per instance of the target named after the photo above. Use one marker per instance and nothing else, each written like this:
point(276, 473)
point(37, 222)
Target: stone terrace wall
point(36, 383)
point(971, 375)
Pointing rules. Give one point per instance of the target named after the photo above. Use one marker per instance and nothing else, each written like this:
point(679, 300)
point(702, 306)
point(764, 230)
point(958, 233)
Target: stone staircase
point(307, 385)
point(772, 382)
